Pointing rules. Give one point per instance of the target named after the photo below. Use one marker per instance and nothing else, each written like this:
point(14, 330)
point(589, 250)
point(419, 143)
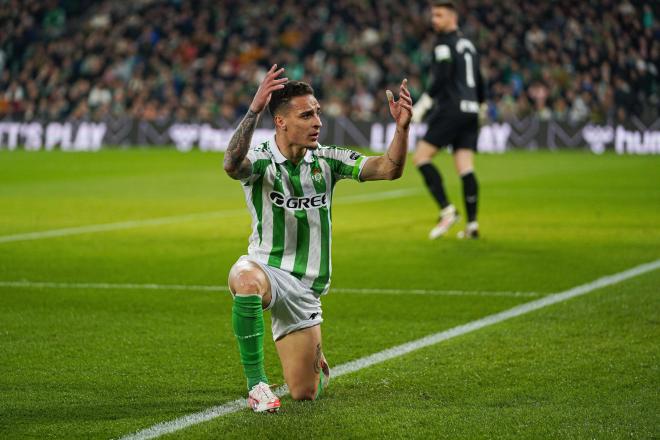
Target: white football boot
point(448, 216)
point(471, 231)
point(261, 399)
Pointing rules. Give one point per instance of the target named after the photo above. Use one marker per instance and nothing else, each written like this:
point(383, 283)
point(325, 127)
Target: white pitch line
point(159, 221)
point(400, 350)
point(118, 286)
point(202, 288)
point(434, 292)
point(119, 225)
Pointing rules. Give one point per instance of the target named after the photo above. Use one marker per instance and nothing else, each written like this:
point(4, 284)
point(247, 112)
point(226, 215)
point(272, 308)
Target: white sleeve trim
point(364, 160)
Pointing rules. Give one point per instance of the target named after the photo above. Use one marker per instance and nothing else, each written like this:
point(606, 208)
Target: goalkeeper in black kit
point(451, 105)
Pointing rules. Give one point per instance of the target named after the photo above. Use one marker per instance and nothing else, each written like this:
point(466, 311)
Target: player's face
point(442, 19)
point(303, 121)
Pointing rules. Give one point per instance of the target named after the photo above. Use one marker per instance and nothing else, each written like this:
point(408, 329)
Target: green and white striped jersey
point(290, 208)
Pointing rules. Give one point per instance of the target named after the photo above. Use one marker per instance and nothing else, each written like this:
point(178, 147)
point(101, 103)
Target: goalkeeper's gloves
point(423, 104)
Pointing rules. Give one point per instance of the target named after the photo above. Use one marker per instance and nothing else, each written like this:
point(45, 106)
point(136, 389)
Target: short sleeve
point(260, 160)
point(345, 163)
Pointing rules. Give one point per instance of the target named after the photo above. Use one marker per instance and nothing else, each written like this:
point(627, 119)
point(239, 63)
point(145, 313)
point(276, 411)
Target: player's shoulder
point(261, 151)
point(262, 148)
point(335, 152)
point(328, 148)
point(463, 43)
point(445, 46)
point(449, 38)
point(454, 39)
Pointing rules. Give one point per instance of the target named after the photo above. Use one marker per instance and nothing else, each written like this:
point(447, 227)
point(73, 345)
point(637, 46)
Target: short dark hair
point(282, 97)
point(444, 4)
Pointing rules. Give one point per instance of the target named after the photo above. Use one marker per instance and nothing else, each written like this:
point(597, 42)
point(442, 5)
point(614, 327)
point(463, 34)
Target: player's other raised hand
point(270, 83)
point(401, 109)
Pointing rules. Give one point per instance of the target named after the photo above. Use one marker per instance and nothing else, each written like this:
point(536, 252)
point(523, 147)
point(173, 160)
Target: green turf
point(100, 363)
point(583, 369)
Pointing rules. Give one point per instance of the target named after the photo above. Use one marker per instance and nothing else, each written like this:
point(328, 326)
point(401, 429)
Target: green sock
point(248, 323)
point(319, 390)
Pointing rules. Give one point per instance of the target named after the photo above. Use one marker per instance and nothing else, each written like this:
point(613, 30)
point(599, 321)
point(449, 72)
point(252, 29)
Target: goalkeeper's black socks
point(470, 195)
point(433, 181)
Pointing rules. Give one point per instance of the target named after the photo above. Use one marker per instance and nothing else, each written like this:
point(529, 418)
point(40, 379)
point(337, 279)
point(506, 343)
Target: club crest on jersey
point(298, 203)
point(316, 175)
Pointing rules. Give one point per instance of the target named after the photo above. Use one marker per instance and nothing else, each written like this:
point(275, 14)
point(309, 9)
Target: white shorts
point(293, 305)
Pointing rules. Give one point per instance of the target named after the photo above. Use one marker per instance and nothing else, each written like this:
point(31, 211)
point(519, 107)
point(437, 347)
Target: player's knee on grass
point(246, 277)
point(303, 391)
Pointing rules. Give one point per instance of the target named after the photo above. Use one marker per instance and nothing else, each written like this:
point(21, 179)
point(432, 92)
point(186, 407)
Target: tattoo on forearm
point(396, 164)
point(240, 144)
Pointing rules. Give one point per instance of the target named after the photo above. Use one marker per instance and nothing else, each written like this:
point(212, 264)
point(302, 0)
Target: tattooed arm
point(236, 164)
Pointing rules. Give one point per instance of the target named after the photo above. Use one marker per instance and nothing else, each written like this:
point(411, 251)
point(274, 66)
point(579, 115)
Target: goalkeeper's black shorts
point(455, 129)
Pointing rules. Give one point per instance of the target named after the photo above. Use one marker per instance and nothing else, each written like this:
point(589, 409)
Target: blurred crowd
point(201, 60)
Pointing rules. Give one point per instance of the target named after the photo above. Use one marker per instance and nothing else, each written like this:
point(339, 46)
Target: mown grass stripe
point(161, 221)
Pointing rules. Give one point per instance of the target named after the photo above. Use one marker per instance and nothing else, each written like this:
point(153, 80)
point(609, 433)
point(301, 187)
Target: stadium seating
point(198, 60)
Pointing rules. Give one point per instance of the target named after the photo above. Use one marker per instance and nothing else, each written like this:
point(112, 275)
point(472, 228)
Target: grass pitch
point(80, 360)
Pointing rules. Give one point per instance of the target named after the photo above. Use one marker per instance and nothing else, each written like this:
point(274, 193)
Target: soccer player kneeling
point(288, 183)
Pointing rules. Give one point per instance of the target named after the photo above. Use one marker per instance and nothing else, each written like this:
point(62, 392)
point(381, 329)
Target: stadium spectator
point(162, 55)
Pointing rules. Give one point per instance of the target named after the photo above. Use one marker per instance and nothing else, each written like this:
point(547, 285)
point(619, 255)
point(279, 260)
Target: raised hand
point(269, 84)
point(401, 110)
point(236, 165)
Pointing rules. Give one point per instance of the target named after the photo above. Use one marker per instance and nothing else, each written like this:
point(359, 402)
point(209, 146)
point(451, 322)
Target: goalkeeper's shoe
point(261, 399)
point(471, 231)
point(448, 216)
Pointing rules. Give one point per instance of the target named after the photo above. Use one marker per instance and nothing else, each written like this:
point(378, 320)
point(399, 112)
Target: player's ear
point(280, 122)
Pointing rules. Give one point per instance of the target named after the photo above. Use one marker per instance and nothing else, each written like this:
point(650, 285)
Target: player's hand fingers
point(274, 85)
point(272, 74)
point(275, 74)
point(275, 82)
point(271, 89)
point(405, 98)
point(279, 80)
point(390, 96)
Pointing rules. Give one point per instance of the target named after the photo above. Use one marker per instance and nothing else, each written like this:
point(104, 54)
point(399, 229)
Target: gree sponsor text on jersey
point(312, 202)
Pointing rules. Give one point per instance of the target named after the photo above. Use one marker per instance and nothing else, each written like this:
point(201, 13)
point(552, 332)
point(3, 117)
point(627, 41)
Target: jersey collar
point(309, 156)
point(277, 154)
point(279, 157)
